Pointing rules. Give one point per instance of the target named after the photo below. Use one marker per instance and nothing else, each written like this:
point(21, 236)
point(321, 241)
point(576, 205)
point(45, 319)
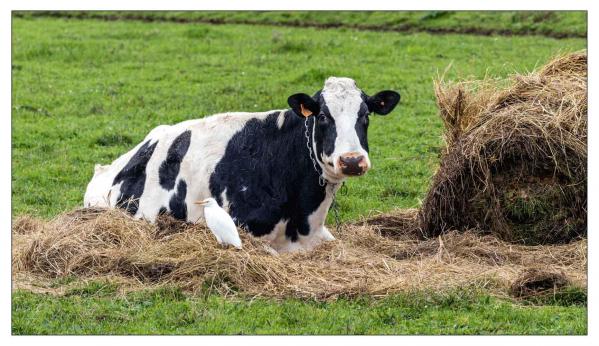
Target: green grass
point(86, 91)
point(549, 23)
point(168, 311)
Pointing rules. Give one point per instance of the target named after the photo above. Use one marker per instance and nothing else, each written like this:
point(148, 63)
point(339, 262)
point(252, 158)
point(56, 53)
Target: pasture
point(85, 91)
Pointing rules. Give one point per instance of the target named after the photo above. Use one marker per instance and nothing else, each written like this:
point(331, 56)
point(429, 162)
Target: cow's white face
point(340, 114)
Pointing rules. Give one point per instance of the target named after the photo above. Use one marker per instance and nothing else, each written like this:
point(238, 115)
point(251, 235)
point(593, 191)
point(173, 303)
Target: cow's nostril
point(350, 160)
point(352, 164)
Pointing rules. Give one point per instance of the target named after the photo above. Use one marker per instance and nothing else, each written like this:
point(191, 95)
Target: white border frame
point(5, 152)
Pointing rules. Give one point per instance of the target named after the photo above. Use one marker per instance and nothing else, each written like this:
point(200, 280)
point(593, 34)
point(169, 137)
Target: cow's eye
point(322, 119)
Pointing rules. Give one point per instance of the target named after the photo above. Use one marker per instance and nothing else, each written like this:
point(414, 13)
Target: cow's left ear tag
point(305, 111)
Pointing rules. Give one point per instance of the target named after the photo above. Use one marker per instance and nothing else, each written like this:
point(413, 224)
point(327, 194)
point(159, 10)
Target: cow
point(275, 173)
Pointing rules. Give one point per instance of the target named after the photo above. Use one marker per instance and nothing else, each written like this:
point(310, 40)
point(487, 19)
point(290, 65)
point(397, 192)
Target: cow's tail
point(99, 189)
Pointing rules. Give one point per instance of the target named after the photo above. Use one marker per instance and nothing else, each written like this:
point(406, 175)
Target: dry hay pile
point(516, 157)
point(366, 258)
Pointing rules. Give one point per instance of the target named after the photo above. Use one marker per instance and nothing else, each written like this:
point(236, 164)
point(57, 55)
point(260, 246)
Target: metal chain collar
point(322, 181)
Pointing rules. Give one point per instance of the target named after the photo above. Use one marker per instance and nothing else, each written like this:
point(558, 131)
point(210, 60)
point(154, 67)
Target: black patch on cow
point(162, 211)
point(325, 131)
point(177, 203)
point(169, 168)
point(362, 126)
point(133, 178)
point(268, 176)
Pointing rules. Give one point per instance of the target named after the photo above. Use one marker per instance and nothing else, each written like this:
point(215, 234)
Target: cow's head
point(341, 112)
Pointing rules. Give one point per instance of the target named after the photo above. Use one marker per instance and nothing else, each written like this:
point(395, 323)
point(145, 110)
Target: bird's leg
point(325, 234)
point(270, 250)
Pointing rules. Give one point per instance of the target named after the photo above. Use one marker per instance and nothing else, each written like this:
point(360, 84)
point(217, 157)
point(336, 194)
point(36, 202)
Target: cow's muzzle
point(353, 164)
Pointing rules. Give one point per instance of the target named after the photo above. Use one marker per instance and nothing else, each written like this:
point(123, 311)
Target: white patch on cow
point(343, 99)
point(226, 205)
point(96, 194)
point(100, 168)
point(281, 119)
point(244, 188)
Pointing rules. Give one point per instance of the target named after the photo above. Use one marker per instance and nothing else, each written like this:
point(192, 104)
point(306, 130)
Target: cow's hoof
point(326, 235)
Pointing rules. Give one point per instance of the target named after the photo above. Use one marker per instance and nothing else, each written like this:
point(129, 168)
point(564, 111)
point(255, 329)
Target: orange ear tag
point(305, 112)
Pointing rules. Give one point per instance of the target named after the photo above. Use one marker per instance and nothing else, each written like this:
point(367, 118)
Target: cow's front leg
point(298, 235)
point(315, 238)
point(318, 218)
point(307, 242)
point(319, 233)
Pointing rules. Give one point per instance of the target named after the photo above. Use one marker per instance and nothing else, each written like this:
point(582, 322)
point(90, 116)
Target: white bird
point(220, 223)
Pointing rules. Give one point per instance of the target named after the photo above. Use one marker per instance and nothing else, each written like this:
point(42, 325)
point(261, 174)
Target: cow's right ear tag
point(305, 111)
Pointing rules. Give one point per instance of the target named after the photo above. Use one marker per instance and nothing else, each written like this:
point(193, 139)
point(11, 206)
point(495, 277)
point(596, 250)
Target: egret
point(220, 223)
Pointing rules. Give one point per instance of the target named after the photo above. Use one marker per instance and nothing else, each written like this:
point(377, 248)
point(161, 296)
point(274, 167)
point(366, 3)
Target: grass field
point(94, 310)
point(85, 91)
point(548, 23)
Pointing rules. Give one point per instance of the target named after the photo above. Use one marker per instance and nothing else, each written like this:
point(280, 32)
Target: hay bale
point(516, 156)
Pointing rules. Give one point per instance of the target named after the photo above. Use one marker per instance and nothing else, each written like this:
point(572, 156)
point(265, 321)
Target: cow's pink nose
point(353, 164)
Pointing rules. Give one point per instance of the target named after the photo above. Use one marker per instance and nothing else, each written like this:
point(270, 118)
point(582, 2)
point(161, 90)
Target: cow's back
point(168, 170)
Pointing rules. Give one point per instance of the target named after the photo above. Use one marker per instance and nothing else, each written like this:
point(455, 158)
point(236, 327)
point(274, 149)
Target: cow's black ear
point(303, 105)
point(383, 102)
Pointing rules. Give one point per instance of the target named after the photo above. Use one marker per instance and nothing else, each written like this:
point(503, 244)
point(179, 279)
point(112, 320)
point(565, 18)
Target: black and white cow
point(257, 166)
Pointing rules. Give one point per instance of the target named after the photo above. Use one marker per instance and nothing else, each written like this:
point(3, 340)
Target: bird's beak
point(200, 202)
